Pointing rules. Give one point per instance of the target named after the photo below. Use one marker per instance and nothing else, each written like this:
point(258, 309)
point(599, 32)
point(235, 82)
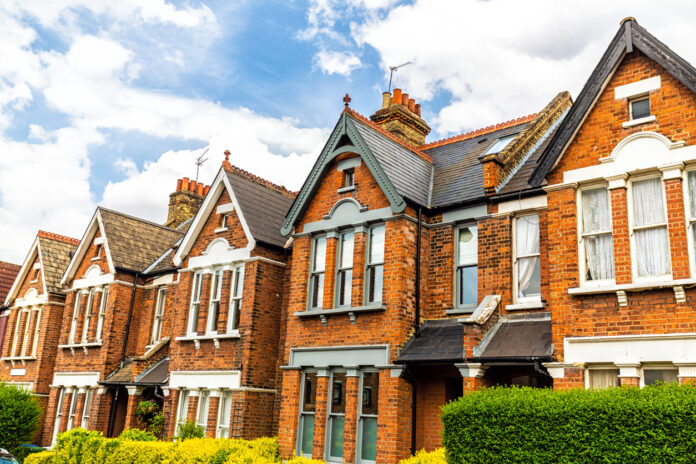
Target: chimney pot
point(412, 104)
point(404, 99)
point(386, 99)
point(397, 96)
point(199, 189)
point(418, 109)
point(178, 184)
point(184, 183)
point(192, 186)
point(207, 189)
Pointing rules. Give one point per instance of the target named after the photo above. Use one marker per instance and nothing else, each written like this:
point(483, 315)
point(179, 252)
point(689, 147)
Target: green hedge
point(523, 425)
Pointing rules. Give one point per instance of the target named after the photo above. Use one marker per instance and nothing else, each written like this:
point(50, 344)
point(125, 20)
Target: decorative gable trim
point(24, 272)
point(344, 127)
point(94, 224)
point(630, 36)
point(220, 183)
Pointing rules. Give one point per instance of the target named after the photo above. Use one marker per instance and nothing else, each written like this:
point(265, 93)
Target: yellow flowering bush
point(425, 457)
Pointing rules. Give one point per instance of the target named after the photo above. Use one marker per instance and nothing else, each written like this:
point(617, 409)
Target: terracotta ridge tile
point(9, 266)
point(380, 129)
point(60, 238)
point(481, 131)
point(261, 181)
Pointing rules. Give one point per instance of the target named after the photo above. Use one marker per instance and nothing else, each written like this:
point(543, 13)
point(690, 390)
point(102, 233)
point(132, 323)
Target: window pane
point(652, 252)
point(370, 393)
point(307, 434)
point(640, 108)
point(368, 450)
point(599, 253)
point(653, 376)
point(310, 393)
point(319, 254)
point(338, 394)
point(317, 296)
point(375, 283)
point(500, 144)
point(529, 277)
point(467, 284)
point(604, 378)
point(595, 211)
point(467, 245)
point(345, 281)
point(336, 445)
point(527, 231)
point(347, 250)
point(692, 194)
point(377, 244)
point(647, 202)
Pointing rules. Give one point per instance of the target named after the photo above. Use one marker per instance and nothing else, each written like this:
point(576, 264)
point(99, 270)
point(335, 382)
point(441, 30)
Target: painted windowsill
point(322, 313)
point(639, 121)
point(468, 309)
point(221, 229)
point(19, 358)
point(189, 338)
point(632, 287)
point(81, 345)
point(350, 188)
point(536, 304)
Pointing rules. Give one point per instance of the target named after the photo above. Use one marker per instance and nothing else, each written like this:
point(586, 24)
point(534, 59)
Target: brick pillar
point(213, 405)
point(320, 414)
point(472, 376)
point(330, 270)
point(100, 411)
point(289, 412)
point(676, 218)
point(66, 410)
point(622, 242)
point(79, 407)
point(359, 253)
point(566, 376)
point(169, 410)
point(49, 417)
point(205, 299)
point(192, 405)
point(394, 418)
point(629, 375)
point(134, 398)
point(353, 398)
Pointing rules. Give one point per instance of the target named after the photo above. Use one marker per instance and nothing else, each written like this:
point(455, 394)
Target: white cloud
point(331, 62)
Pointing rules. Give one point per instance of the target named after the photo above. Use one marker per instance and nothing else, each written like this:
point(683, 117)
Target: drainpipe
point(416, 322)
point(112, 414)
point(130, 315)
point(412, 380)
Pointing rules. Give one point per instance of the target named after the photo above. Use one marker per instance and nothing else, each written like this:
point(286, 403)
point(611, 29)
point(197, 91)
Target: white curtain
point(527, 230)
point(652, 251)
point(604, 378)
point(692, 194)
point(599, 249)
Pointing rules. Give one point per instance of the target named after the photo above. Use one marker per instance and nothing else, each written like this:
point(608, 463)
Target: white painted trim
point(31, 298)
point(263, 259)
point(639, 121)
point(637, 88)
point(631, 349)
point(530, 203)
point(23, 272)
point(224, 209)
point(98, 240)
point(93, 281)
point(75, 379)
point(163, 280)
point(82, 248)
point(205, 379)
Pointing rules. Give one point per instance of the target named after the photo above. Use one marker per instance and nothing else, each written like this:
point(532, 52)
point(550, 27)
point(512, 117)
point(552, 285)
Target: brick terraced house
point(554, 250)
point(8, 273)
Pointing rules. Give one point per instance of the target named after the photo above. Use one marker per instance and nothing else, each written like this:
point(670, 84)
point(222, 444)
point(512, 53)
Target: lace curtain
point(527, 246)
point(599, 247)
point(652, 251)
point(604, 378)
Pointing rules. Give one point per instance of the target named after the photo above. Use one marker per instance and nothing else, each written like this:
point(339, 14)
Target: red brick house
point(402, 283)
point(35, 301)
point(227, 313)
point(8, 273)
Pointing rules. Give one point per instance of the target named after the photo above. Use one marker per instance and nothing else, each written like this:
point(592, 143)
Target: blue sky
point(109, 103)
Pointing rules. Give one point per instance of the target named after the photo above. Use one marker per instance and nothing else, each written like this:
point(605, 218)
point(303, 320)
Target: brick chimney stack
point(185, 201)
point(401, 116)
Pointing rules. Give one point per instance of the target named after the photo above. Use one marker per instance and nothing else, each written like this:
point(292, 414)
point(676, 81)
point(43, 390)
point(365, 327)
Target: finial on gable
point(346, 100)
point(226, 164)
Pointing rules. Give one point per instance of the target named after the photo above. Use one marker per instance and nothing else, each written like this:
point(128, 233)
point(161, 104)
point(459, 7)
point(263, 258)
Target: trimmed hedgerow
point(522, 425)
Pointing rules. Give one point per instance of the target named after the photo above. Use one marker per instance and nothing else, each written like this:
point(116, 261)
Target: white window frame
point(317, 275)
point(103, 300)
point(88, 316)
point(222, 429)
point(27, 328)
point(631, 228)
point(158, 319)
point(59, 414)
point(203, 409)
point(457, 229)
point(37, 329)
point(515, 260)
point(599, 367)
point(214, 301)
point(72, 410)
point(75, 317)
point(635, 98)
point(657, 367)
point(196, 289)
point(369, 265)
point(690, 221)
point(182, 407)
point(15, 337)
point(582, 265)
point(361, 416)
point(342, 270)
point(236, 295)
point(84, 422)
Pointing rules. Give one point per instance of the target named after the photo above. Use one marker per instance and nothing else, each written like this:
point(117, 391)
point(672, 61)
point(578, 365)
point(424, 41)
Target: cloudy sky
point(105, 102)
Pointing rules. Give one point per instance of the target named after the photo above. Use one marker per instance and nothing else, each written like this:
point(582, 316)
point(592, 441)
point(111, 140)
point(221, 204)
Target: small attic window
point(349, 177)
point(223, 221)
point(500, 144)
point(639, 107)
point(99, 252)
point(35, 275)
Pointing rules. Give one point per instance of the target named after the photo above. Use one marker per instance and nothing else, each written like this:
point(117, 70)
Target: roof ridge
point(409, 146)
point(481, 131)
point(139, 219)
point(261, 181)
point(7, 263)
point(60, 238)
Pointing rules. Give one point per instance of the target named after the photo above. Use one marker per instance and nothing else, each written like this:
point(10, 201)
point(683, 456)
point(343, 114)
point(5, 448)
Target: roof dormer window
point(500, 144)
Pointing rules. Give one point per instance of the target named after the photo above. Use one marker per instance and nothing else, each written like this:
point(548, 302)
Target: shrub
point(150, 416)
point(425, 457)
point(137, 435)
point(19, 417)
point(510, 425)
point(44, 457)
point(189, 429)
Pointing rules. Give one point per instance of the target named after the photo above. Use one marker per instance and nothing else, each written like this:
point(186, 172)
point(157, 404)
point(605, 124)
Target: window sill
point(537, 304)
point(22, 359)
point(196, 339)
point(96, 258)
point(322, 313)
point(462, 310)
point(84, 346)
point(676, 285)
point(221, 229)
point(350, 188)
point(639, 121)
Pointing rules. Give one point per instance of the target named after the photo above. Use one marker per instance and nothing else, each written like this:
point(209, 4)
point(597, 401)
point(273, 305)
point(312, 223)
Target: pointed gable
point(56, 252)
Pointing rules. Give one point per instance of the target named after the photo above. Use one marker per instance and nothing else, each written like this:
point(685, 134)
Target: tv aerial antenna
point(396, 68)
point(199, 162)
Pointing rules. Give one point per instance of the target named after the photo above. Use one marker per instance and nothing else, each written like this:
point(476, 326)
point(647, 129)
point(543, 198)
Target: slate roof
point(263, 205)
point(157, 374)
point(458, 172)
point(630, 36)
point(8, 273)
point(439, 341)
point(121, 376)
point(56, 252)
point(409, 173)
point(515, 338)
point(134, 244)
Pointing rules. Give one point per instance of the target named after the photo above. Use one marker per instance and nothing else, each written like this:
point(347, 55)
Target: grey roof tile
point(439, 340)
point(520, 339)
point(55, 256)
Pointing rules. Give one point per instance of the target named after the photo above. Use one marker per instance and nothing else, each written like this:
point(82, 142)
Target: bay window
point(344, 272)
point(367, 417)
point(214, 305)
point(316, 278)
point(308, 401)
point(596, 237)
point(159, 316)
point(527, 258)
point(467, 267)
point(375, 264)
point(650, 242)
point(195, 304)
point(336, 416)
point(235, 298)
